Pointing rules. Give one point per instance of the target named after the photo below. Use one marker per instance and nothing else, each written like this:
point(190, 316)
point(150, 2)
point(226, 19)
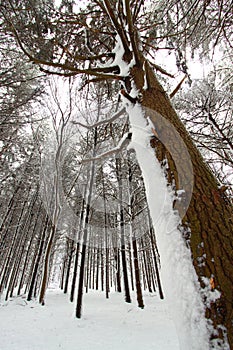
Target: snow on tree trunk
point(197, 281)
point(178, 275)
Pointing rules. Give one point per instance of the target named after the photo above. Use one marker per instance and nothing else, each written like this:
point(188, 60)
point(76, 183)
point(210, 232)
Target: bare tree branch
point(132, 34)
point(110, 120)
point(121, 145)
point(172, 94)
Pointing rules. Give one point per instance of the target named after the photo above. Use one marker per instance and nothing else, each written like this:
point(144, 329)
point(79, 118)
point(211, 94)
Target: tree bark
point(70, 251)
point(146, 274)
point(106, 239)
point(133, 238)
point(75, 271)
point(209, 215)
point(156, 265)
point(118, 269)
point(122, 231)
point(46, 266)
point(38, 259)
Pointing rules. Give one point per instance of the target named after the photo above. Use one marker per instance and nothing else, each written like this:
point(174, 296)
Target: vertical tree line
point(102, 249)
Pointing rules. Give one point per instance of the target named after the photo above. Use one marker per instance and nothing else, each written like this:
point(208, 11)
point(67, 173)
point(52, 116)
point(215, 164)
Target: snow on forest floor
point(106, 324)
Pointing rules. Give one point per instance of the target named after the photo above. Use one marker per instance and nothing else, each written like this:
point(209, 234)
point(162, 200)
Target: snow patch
point(118, 61)
point(107, 324)
point(210, 294)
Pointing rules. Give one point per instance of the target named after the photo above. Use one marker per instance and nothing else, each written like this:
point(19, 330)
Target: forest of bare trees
point(75, 207)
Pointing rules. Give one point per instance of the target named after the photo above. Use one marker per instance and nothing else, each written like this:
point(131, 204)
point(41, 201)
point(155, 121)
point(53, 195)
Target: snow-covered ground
point(106, 324)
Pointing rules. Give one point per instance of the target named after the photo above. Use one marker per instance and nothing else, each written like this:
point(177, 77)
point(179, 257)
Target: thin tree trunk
point(118, 269)
point(97, 269)
point(88, 267)
point(14, 247)
point(122, 231)
point(70, 258)
point(74, 273)
point(39, 255)
point(106, 239)
point(102, 269)
point(46, 266)
point(63, 274)
point(131, 267)
point(137, 275)
point(78, 248)
point(29, 251)
point(94, 267)
point(133, 238)
point(25, 231)
point(85, 233)
point(12, 202)
point(147, 278)
point(153, 248)
point(18, 260)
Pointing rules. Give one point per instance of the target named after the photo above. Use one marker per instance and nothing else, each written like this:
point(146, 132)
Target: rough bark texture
point(209, 215)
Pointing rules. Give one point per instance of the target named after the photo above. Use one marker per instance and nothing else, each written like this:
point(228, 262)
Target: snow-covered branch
point(132, 33)
point(120, 30)
point(101, 72)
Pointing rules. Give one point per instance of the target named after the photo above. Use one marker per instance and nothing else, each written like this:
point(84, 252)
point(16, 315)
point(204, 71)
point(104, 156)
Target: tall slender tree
point(114, 45)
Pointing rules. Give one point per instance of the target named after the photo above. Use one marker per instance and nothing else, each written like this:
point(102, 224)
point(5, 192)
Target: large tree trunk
point(209, 214)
